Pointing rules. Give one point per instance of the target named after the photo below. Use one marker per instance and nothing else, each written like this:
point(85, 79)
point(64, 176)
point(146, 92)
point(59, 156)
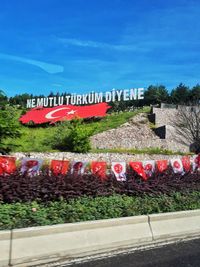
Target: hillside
point(42, 138)
point(136, 133)
point(123, 131)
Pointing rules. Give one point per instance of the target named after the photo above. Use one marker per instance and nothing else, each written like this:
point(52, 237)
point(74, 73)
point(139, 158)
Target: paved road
point(186, 254)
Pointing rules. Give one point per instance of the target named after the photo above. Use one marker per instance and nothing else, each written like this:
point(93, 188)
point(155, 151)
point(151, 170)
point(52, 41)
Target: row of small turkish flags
point(145, 169)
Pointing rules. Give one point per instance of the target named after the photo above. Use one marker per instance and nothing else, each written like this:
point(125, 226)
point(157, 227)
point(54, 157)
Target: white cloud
point(92, 44)
point(48, 67)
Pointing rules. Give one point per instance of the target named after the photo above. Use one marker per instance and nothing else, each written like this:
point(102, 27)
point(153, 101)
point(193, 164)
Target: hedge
point(45, 188)
point(17, 215)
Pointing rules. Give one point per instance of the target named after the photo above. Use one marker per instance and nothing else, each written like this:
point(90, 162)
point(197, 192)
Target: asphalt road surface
point(185, 254)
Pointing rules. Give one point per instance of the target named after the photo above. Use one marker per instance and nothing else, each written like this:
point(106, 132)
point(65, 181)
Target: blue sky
point(96, 45)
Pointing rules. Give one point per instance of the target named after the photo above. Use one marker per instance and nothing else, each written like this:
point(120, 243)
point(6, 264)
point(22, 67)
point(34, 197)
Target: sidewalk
point(36, 245)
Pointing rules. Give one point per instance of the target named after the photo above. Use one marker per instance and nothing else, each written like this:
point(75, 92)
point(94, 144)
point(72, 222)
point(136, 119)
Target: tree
point(9, 127)
point(3, 99)
point(180, 95)
point(19, 99)
point(187, 125)
point(156, 95)
point(195, 94)
point(2, 92)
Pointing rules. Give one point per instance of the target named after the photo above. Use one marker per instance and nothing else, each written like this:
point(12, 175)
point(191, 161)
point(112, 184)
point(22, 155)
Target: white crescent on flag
point(119, 169)
point(177, 165)
point(149, 167)
point(50, 116)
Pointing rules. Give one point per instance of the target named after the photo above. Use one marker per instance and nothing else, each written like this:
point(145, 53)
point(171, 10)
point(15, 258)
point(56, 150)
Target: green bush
point(57, 138)
point(9, 127)
point(19, 215)
point(78, 138)
point(71, 136)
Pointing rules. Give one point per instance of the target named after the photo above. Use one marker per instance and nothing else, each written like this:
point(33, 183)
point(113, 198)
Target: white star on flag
point(71, 112)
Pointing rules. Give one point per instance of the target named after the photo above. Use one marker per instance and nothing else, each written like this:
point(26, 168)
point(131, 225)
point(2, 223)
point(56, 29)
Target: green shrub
point(78, 138)
point(58, 136)
point(19, 215)
point(9, 127)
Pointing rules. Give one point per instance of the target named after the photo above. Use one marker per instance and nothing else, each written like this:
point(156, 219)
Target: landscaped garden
point(48, 199)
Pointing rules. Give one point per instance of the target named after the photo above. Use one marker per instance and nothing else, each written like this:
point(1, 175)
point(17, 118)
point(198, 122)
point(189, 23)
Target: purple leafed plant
point(45, 187)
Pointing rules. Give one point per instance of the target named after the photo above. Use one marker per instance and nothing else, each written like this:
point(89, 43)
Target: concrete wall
point(31, 246)
point(164, 116)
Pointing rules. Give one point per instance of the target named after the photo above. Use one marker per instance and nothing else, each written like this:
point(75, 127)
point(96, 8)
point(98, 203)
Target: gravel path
point(108, 157)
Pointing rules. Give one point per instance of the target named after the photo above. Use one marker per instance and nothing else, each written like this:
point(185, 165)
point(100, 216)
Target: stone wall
point(136, 134)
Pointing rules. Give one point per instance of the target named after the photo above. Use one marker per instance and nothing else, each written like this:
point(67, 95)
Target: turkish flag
point(78, 167)
point(119, 169)
point(7, 165)
point(65, 112)
point(196, 162)
point(149, 167)
point(99, 168)
point(162, 165)
point(31, 166)
point(138, 168)
point(177, 166)
point(186, 163)
point(59, 166)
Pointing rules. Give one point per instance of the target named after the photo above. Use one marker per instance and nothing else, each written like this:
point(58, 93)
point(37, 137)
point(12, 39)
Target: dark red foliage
point(44, 187)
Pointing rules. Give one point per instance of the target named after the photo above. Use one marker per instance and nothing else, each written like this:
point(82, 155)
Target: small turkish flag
point(186, 163)
point(31, 166)
point(149, 167)
point(65, 112)
point(7, 165)
point(119, 169)
point(177, 166)
point(138, 168)
point(162, 165)
point(59, 166)
point(99, 168)
point(78, 167)
point(196, 162)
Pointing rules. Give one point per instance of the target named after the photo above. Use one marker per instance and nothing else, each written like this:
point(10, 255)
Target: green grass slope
point(40, 138)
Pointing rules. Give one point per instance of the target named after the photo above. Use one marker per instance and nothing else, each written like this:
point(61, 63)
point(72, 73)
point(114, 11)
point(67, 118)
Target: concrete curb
point(168, 226)
point(35, 245)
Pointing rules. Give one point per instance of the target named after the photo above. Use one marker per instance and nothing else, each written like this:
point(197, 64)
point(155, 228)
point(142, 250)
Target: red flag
point(31, 166)
point(99, 168)
point(186, 163)
point(7, 165)
point(149, 167)
point(119, 169)
point(138, 167)
point(59, 166)
point(65, 112)
point(177, 165)
point(78, 167)
point(162, 165)
point(196, 162)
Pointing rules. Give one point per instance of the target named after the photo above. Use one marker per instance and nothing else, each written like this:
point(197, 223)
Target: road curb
point(36, 245)
point(173, 225)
